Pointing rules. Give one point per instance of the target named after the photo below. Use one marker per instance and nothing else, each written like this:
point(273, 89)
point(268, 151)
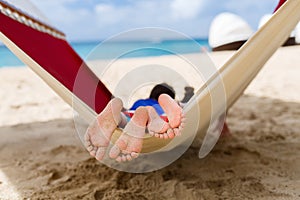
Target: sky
point(101, 19)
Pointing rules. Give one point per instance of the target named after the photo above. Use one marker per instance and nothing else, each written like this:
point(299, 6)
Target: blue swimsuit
point(148, 102)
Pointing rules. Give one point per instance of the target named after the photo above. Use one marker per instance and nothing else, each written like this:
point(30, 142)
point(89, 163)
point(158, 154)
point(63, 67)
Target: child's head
point(162, 88)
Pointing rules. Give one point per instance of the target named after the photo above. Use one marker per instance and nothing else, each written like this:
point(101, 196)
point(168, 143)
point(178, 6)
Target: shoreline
point(25, 86)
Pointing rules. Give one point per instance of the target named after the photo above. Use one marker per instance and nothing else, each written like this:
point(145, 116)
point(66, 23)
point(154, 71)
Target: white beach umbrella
point(228, 28)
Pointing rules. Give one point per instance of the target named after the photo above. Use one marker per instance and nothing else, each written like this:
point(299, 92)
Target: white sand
point(41, 156)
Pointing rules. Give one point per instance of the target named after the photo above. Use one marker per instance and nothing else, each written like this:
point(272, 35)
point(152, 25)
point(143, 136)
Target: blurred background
point(86, 23)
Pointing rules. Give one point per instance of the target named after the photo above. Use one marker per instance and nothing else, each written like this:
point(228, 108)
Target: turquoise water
point(119, 50)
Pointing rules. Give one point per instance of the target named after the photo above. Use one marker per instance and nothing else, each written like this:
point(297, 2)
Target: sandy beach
point(41, 156)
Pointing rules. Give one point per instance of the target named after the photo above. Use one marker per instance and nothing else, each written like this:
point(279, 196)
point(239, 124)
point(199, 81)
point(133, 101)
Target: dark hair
point(162, 88)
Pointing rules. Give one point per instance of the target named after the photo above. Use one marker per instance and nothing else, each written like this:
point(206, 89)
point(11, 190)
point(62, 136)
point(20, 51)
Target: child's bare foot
point(173, 112)
point(129, 144)
point(157, 126)
point(99, 133)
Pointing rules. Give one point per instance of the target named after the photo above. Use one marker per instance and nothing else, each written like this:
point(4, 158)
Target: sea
point(95, 50)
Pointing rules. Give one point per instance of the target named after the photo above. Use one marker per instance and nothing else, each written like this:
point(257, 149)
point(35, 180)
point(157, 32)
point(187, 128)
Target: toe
point(93, 152)
point(157, 135)
point(129, 158)
point(177, 132)
point(100, 153)
point(166, 136)
point(170, 133)
point(134, 155)
point(161, 136)
point(181, 125)
point(181, 128)
point(87, 143)
point(151, 133)
point(90, 148)
point(114, 152)
point(124, 158)
point(119, 159)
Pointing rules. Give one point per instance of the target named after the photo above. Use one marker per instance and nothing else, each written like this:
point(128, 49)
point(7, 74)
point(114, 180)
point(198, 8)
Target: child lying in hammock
point(146, 117)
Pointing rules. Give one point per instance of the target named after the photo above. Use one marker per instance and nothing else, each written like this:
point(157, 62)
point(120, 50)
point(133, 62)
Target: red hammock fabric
point(281, 2)
point(58, 58)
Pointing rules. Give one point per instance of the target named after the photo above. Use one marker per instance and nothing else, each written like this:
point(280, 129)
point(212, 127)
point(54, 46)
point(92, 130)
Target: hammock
point(45, 50)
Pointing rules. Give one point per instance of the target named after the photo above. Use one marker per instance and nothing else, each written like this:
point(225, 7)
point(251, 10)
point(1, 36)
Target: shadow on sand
point(260, 159)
